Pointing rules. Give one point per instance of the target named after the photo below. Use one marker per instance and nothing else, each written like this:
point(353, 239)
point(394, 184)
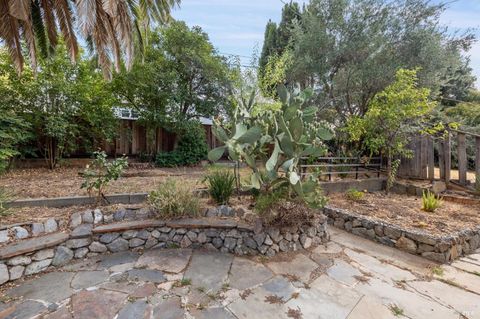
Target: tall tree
point(65, 104)
point(277, 38)
point(395, 115)
point(350, 50)
point(269, 45)
point(108, 26)
point(181, 78)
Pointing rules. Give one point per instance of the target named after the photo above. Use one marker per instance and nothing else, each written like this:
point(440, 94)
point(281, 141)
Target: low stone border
point(91, 233)
point(442, 249)
point(10, 233)
point(134, 198)
point(371, 185)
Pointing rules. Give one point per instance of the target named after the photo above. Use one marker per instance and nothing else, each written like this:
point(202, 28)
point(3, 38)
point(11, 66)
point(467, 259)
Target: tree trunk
point(389, 173)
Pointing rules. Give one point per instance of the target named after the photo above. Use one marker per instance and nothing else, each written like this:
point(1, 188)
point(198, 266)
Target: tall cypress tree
point(269, 45)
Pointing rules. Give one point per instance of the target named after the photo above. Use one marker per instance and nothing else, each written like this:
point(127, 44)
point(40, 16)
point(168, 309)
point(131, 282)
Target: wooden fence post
point(462, 158)
point(423, 157)
point(447, 148)
point(431, 158)
point(441, 160)
point(477, 159)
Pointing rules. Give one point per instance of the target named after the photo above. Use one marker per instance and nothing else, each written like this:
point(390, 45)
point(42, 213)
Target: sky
point(237, 26)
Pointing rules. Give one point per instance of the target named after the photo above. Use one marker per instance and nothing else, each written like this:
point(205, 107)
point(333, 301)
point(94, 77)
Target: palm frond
point(39, 28)
point(49, 22)
point(9, 32)
point(65, 21)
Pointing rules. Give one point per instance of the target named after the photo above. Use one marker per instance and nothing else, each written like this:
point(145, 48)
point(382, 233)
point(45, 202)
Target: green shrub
point(192, 148)
point(173, 200)
point(170, 159)
point(5, 197)
point(430, 201)
point(354, 194)
point(265, 201)
point(101, 172)
point(145, 157)
point(221, 184)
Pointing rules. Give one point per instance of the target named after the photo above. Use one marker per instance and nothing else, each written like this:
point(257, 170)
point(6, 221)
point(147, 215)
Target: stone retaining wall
point(442, 249)
point(15, 232)
point(91, 233)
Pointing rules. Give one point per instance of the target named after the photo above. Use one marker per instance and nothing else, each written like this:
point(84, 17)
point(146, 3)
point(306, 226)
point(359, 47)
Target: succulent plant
point(294, 133)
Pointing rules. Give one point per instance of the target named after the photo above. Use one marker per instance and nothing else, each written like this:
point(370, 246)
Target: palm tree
point(110, 28)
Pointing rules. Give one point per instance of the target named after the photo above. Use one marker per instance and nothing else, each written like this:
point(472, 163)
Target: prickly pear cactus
point(293, 133)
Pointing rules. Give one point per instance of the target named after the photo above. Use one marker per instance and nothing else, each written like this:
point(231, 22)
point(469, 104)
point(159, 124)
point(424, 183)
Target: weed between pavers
point(397, 311)
point(182, 283)
point(437, 270)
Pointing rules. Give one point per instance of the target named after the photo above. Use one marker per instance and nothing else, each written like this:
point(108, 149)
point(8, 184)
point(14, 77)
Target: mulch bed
point(44, 183)
point(406, 212)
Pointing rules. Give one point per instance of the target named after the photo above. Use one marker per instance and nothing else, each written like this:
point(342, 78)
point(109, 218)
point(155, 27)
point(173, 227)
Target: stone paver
point(349, 278)
point(168, 260)
point(344, 273)
point(326, 298)
point(463, 302)
point(97, 303)
point(118, 259)
point(170, 308)
point(209, 270)
point(370, 308)
point(85, 279)
point(139, 309)
point(51, 287)
point(246, 274)
point(300, 266)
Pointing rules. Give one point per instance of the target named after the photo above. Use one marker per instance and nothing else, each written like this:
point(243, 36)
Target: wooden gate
point(424, 161)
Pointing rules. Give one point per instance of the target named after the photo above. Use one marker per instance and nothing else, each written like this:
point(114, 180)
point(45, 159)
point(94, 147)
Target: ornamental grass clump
point(221, 184)
point(173, 200)
point(430, 201)
point(354, 195)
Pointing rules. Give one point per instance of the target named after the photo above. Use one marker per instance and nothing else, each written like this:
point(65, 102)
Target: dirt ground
point(45, 183)
point(38, 183)
point(406, 211)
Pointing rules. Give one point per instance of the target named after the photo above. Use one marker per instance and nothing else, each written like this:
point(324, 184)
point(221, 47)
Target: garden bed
point(62, 182)
point(405, 211)
point(397, 220)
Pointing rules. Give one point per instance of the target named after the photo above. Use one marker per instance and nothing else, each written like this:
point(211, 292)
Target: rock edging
point(90, 236)
point(441, 249)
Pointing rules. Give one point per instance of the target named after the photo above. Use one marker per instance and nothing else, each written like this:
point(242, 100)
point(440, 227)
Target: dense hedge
point(192, 148)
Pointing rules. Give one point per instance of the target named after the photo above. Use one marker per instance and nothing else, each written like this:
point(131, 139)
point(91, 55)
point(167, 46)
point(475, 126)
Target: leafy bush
point(145, 157)
point(101, 172)
point(430, 201)
point(221, 184)
point(173, 200)
point(5, 197)
point(354, 195)
point(192, 148)
point(265, 201)
point(170, 159)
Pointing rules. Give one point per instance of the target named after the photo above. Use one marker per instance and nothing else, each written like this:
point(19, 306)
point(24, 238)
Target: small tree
point(100, 173)
point(394, 115)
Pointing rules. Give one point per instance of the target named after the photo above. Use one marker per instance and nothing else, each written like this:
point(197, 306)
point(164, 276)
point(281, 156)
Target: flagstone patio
point(349, 278)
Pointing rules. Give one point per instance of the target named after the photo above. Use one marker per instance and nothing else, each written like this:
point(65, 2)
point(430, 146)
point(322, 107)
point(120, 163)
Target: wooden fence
point(425, 159)
point(341, 166)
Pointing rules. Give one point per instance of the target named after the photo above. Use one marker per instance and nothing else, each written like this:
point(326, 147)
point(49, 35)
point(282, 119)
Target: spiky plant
point(293, 133)
point(109, 27)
